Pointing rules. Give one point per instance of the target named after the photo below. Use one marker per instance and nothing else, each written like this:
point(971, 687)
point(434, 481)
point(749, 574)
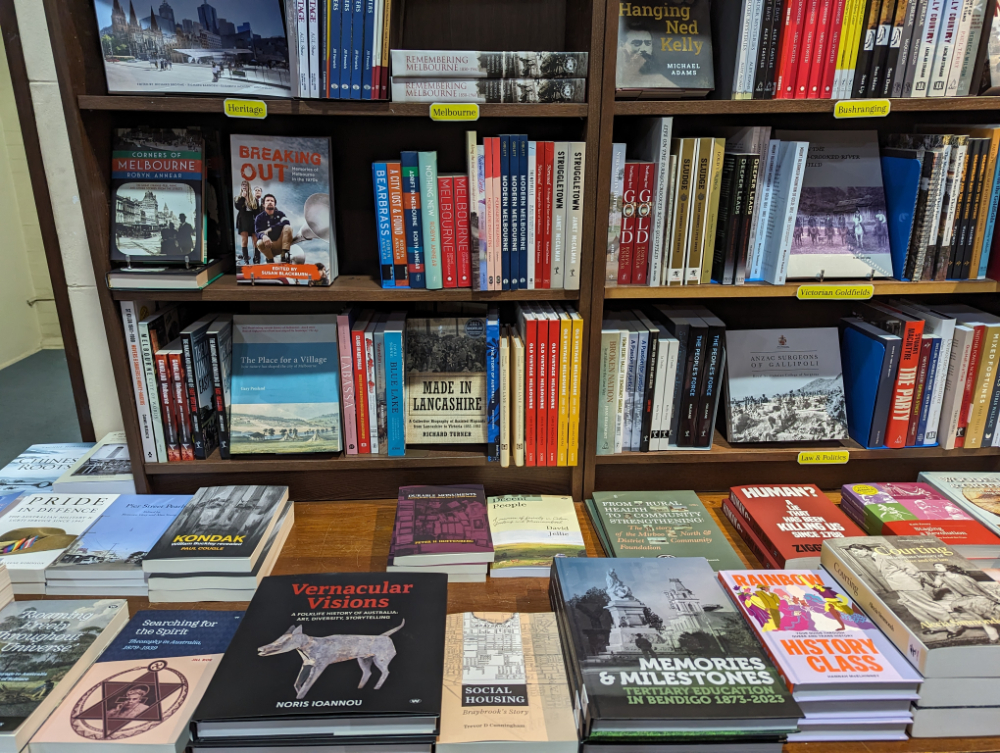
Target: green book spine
point(429, 218)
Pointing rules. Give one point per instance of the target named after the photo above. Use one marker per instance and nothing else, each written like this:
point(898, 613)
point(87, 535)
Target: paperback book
point(475, 64)
point(976, 493)
point(104, 468)
point(35, 469)
point(441, 524)
point(530, 531)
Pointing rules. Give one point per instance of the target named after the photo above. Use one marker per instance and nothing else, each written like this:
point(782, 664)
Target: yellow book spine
point(517, 358)
point(576, 366)
point(844, 46)
point(565, 336)
point(984, 202)
point(985, 377)
point(708, 243)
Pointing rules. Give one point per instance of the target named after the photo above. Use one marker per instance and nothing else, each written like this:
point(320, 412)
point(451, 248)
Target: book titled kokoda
point(491, 90)
point(442, 64)
point(333, 658)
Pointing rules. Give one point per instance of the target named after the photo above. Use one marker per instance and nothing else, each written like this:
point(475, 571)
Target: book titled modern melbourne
point(35, 469)
point(439, 524)
point(286, 385)
point(784, 385)
point(227, 47)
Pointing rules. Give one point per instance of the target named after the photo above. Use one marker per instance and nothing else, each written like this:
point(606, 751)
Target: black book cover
point(866, 46)
point(974, 158)
point(679, 327)
point(963, 206)
point(650, 384)
point(725, 20)
point(905, 46)
point(333, 645)
point(199, 388)
point(976, 197)
point(909, 70)
point(708, 395)
point(763, 50)
point(887, 320)
point(904, 14)
point(734, 231)
point(777, 23)
point(740, 274)
point(697, 349)
point(727, 193)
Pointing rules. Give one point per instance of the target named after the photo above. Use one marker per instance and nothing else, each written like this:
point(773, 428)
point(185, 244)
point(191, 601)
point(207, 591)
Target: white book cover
point(944, 51)
point(532, 209)
point(968, 61)
point(925, 45)
point(630, 382)
point(784, 385)
point(39, 466)
point(780, 228)
point(615, 214)
point(743, 54)
point(560, 196)
point(620, 394)
point(753, 48)
point(653, 145)
point(762, 216)
point(104, 468)
point(641, 358)
point(575, 178)
point(671, 220)
point(978, 493)
point(955, 376)
point(961, 44)
point(302, 26)
point(314, 56)
point(669, 345)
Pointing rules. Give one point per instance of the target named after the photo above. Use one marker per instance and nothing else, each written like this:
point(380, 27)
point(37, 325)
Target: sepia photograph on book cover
point(665, 45)
point(283, 210)
point(784, 385)
point(107, 460)
point(190, 46)
point(939, 595)
point(446, 380)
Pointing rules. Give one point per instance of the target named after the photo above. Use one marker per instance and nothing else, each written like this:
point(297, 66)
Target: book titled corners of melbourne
point(315, 647)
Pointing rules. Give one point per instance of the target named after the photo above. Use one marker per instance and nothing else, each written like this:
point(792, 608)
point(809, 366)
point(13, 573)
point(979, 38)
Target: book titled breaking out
point(331, 656)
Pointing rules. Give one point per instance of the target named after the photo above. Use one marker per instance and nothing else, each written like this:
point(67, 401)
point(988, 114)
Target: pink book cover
point(344, 322)
point(497, 217)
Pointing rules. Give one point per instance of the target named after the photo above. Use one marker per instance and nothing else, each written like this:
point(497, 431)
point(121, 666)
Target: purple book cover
point(441, 519)
point(899, 501)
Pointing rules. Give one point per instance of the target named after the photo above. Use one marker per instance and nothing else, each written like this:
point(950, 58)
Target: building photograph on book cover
point(237, 509)
point(109, 460)
point(154, 219)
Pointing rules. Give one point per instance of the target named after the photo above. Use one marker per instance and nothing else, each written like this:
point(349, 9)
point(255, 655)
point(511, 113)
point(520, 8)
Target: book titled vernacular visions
point(442, 64)
point(491, 90)
point(441, 524)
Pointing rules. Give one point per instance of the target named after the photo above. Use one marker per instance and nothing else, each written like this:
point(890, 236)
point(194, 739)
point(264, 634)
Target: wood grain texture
point(763, 290)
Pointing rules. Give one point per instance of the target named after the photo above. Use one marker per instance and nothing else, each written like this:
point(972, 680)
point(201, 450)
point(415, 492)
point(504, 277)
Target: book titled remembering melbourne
point(35, 469)
point(333, 656)
point(475, 64)
point(234, 47)
point(784, 385)
point(286, 385)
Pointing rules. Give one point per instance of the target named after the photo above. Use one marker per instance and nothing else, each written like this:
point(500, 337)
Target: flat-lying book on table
point(528, 532)
point(35, 469)
point(437, 525)
point(976, 493)
point(103, 469)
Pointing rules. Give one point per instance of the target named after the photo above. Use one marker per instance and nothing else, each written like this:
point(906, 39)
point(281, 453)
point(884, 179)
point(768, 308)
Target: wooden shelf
point(322, 107)
point(763, 290)
point(796, 106)
point(355, 288)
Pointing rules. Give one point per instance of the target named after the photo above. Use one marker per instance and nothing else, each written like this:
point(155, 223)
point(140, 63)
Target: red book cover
point(497, 217)
point(951, 532)
point(791, 41)
point(546, 275)
point(754, 544)
point(832, 48)
point(818, 68)
point(361, 384)
point(970, 384)
point(180, 406)
point(462, 248)
point(643, 221)
point(446, 220)
point(168, 418)
point(630, 190)
point(395, 180)
point(552, 438)
point(906, 382)
point(530, 384)
point(542, 391)
point(926, 345)
point(792, 521)
point(808, 47)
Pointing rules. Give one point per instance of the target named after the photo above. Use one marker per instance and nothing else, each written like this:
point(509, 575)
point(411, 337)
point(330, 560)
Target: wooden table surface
point(354, 537)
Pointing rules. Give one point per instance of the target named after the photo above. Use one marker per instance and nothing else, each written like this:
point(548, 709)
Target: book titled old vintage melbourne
point(664, 49)
point(446, 380)
point(222, 529)
point(673, 639)
point(140, 694)
point(332, 655)
point(436, 525)
point(937, 607)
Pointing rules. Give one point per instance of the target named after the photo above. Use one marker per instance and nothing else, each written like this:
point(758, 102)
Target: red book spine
point(970, 385)
point(396, 217)
point(918, 393)
point(446, 218)
point(169, 421)
point(552, 440)
point(541, 390)
point(832, 48)
point(629, 190)
point(462, 248)
point(495, 246)
point(749, 537)
point(550, 147)
point(791, 33)
point(808, 45)
point(906, 382)
point(180, 406)
point(818, 68)
point(361, 390)
point(530, 386)
point(643, 220)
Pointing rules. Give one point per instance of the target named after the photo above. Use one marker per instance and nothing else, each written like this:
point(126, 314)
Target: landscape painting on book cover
point(285, 427)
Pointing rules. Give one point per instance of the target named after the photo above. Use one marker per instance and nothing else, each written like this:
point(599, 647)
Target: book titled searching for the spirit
point(784, 385)
point(222, 529)
point(183, 49)
point(491, 90)
point(36, 530)
point(672, 634)
point(661, 524)
point(105, 468)
point(436, 525)
point(139, 696)
point(332, 655)
point(35, 469)
point(529, 531)
point(937, 607)
point(442, 64)
point(446, 380)
point(47, 646)
point(285, 230)
point(505, 684)
point(285, 385)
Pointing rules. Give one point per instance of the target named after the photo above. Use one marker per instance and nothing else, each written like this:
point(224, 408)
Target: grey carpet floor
point(36, 404)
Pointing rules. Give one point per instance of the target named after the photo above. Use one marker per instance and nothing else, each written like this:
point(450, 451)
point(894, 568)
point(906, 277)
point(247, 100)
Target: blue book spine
point(394, 392)
point(366, 71)
point(493, 384)
point(925, 403)
point(383, 223)
point(430, 219)
point(522, 238)
point(410, 167)
point(357, 46)
point(346, 26)
point(505, 211)
point(515, 204)
point(901, 179)
point(991, 219)
point(333, 14)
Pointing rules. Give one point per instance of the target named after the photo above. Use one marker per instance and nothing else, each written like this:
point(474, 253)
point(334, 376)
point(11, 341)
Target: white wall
point(91, 337)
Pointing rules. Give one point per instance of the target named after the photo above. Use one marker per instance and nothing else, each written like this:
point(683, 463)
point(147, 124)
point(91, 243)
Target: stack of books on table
point(847, 677)
point(529, 532)
point(940, 610)
point(976, 493)
point(350, 662)
point(442, 529)
point(35, 469)
point(641, 675)
point(221, 545)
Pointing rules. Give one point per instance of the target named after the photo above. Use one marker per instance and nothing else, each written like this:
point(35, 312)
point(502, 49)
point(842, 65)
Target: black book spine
point(218, 398)
point(682, 331)
point(963, 201)
point(693, 373)
point(709, 391)
point(909, 71)
point(979, 66)
point(742, 247)
point(919, 218)
point(904, 10)
point(652, 353)
point(880, 55)
point(866, 46)
point(777, 17)
point(191, 393)
point(727, 193)
point(735, 230)
point(972, 180)
point(883, 394)
point(905, 47)
point(760, 73)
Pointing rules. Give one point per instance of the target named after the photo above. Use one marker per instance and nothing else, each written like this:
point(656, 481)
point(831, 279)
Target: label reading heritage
point(831, 457)
point(441, 111)
point(862, 108)
point(245, 108)
point(838, 292)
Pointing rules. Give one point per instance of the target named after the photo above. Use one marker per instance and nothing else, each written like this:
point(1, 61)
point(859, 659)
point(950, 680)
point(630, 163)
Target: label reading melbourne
point(835, 292)
point(861, 108)
point(824, 457)
point(245, 108)
point(450, 112)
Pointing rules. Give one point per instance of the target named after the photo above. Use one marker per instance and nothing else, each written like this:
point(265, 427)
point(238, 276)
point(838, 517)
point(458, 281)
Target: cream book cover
point(504, 682)
point(528, 531)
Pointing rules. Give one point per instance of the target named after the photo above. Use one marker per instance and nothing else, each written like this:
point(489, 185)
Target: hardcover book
point(784, 385)
point(439, 524)
point(529, 531)
point(285, 385)
point(976, 493)
point(444, 64)
point(140, 694)
point(491, 90)
point(233, 47)
point(505, 682)
point(446, 380)
point(35, 469)
point(662, 524)
point(285, 229)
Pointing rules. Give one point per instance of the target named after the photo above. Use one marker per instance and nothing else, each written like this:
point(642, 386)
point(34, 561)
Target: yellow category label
point(245, 108)
point(862, 108)
point(452, 112)
point(865, 490)
point(824, 457)
point(835, 292)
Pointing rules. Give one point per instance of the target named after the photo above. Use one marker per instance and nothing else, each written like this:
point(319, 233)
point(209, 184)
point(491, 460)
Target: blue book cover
point(870, 359)
point(157, 634)
point(410, 168)
point(286, 391)
point(515, 211)
point(394, 381)
point(522, 237)
point(505, 225)
point(346, 27)
point(333, 55)
point(37, 467)
point(991, 219)
point(430, 220)
point(901, 178)
point(383, 224)
point(493, 384)
point(357, 46)
point(925, 406)
point(369, 51)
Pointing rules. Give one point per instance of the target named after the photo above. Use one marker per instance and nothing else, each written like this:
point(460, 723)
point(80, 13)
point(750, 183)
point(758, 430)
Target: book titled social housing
point(139, 696)
point(441, 524)
point(491, 90)
point(475, 64)
point(529, 531)
point(35, 469)
point(285, 386)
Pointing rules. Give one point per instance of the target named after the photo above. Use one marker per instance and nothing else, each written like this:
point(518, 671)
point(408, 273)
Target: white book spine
point(763, 216)
point(658, 386)
point(630, 383)
point(657, 226)
point(302, 31)
point(801, 152)
point(945, 49)
point(757, 10)
point(954, 388)
point(615, 215)
point(926, 47)
point(377, 45)
point(560, 189)
point(314, 57)
point(961, 45)
point(668, 235)
point(972, 47)
point(475, 221)
point(954, 190)
point(742, 55)
point(941, 378)
point(130, 318)
point(517, 412)
point(669, 404)
point(623, 343)
point(576, 178)
point(372, 394)
point(761, 147)
point(291, 23)
point(152, 391)
point(504, 401)
point(641, 358)
point(532, 160)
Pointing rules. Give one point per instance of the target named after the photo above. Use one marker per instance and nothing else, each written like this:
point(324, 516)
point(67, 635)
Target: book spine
point(791, 211)
point(178, 399)
point(905, 47)
point(933, 376)
point(462, 243)
point(552, 392)
point(397, 225)
point(693, 262)
point(480, 266)
point(819, 65)
point(727, 200)
point(560, 187)
point(682, 201)
point(345, 350)
point(661, 197)
point(643, 217)
point(632, 356)
point(314, 58)
point(531, 389)
point(923, 368)
point(505, 223)
point(765, 541)
point(945, 49)
point(766, 42)
point(620, 388)
point(991, 218)
point(740, 273)
point(968, 61)
point(808, 48)
point(834, 47)
point(449, 251)
point(383, 224)
point(360, 376)
point(906, 378)
point(130, 319)
point(669, 395)
point(605, 386)
point(853, 28)
point(522, 200)
point(302, 39)
point(490, 247)
point(986, 191)
point(743, 55)
point(752, 542)
point(791, 48)
point(542, 389)
point(429, 219)
point(547, 219)
point(384, 49)
point(688, 426)
point(941, 377)
point(198, 434)
point(660, 375)
point(219, 395)
point(866, 48)
point(954, 387)
point(291, 25)
point(880, 54)
point(514, 211)
point(757, 11)
point(975, 199)
point(983, 388)
point(575, 382)
point(895, 43)
point(709, 389)
point(475, 220)
point(346, 31)
point(992, 415)
point(357, 46)
point(413, 225)
point(333, 15)
point(496, 259)
point(532, 219)
point(630, 204)
point(727, 268)
point(504, 390)
point(148, 345)
point(165, 394)
point(493, 397)
point(649, 392)
point(712, 221)
point(370, 394)
point(394, 380)
point(925, 48)
point(517, 403)
point(968, 389)
point(368, 64)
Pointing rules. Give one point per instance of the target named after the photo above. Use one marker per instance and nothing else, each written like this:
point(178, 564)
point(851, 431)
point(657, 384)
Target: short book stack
point(530, 532)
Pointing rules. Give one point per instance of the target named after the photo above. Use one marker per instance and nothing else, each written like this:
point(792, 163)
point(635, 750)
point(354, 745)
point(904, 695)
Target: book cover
point(198, 389)
point(220, 343)
point(870, 359)
point(180, 48)
point(397, 225)
point(430, 218)
point(413, 226)
point(105, 467)
point(665, 46)
point(383, 223)
point(442, 520)
point(491, 91)
point(529, 531)
point(476, 64)
point(286, 220)
point(663, 524)
point(978, 493)
point(784, 385)
point(286, 386)
point(446, 380)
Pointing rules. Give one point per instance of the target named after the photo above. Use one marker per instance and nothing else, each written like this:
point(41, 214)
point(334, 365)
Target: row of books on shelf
point(801, 205)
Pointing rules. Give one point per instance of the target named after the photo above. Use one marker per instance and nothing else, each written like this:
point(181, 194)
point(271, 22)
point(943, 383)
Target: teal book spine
point(427, 163)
